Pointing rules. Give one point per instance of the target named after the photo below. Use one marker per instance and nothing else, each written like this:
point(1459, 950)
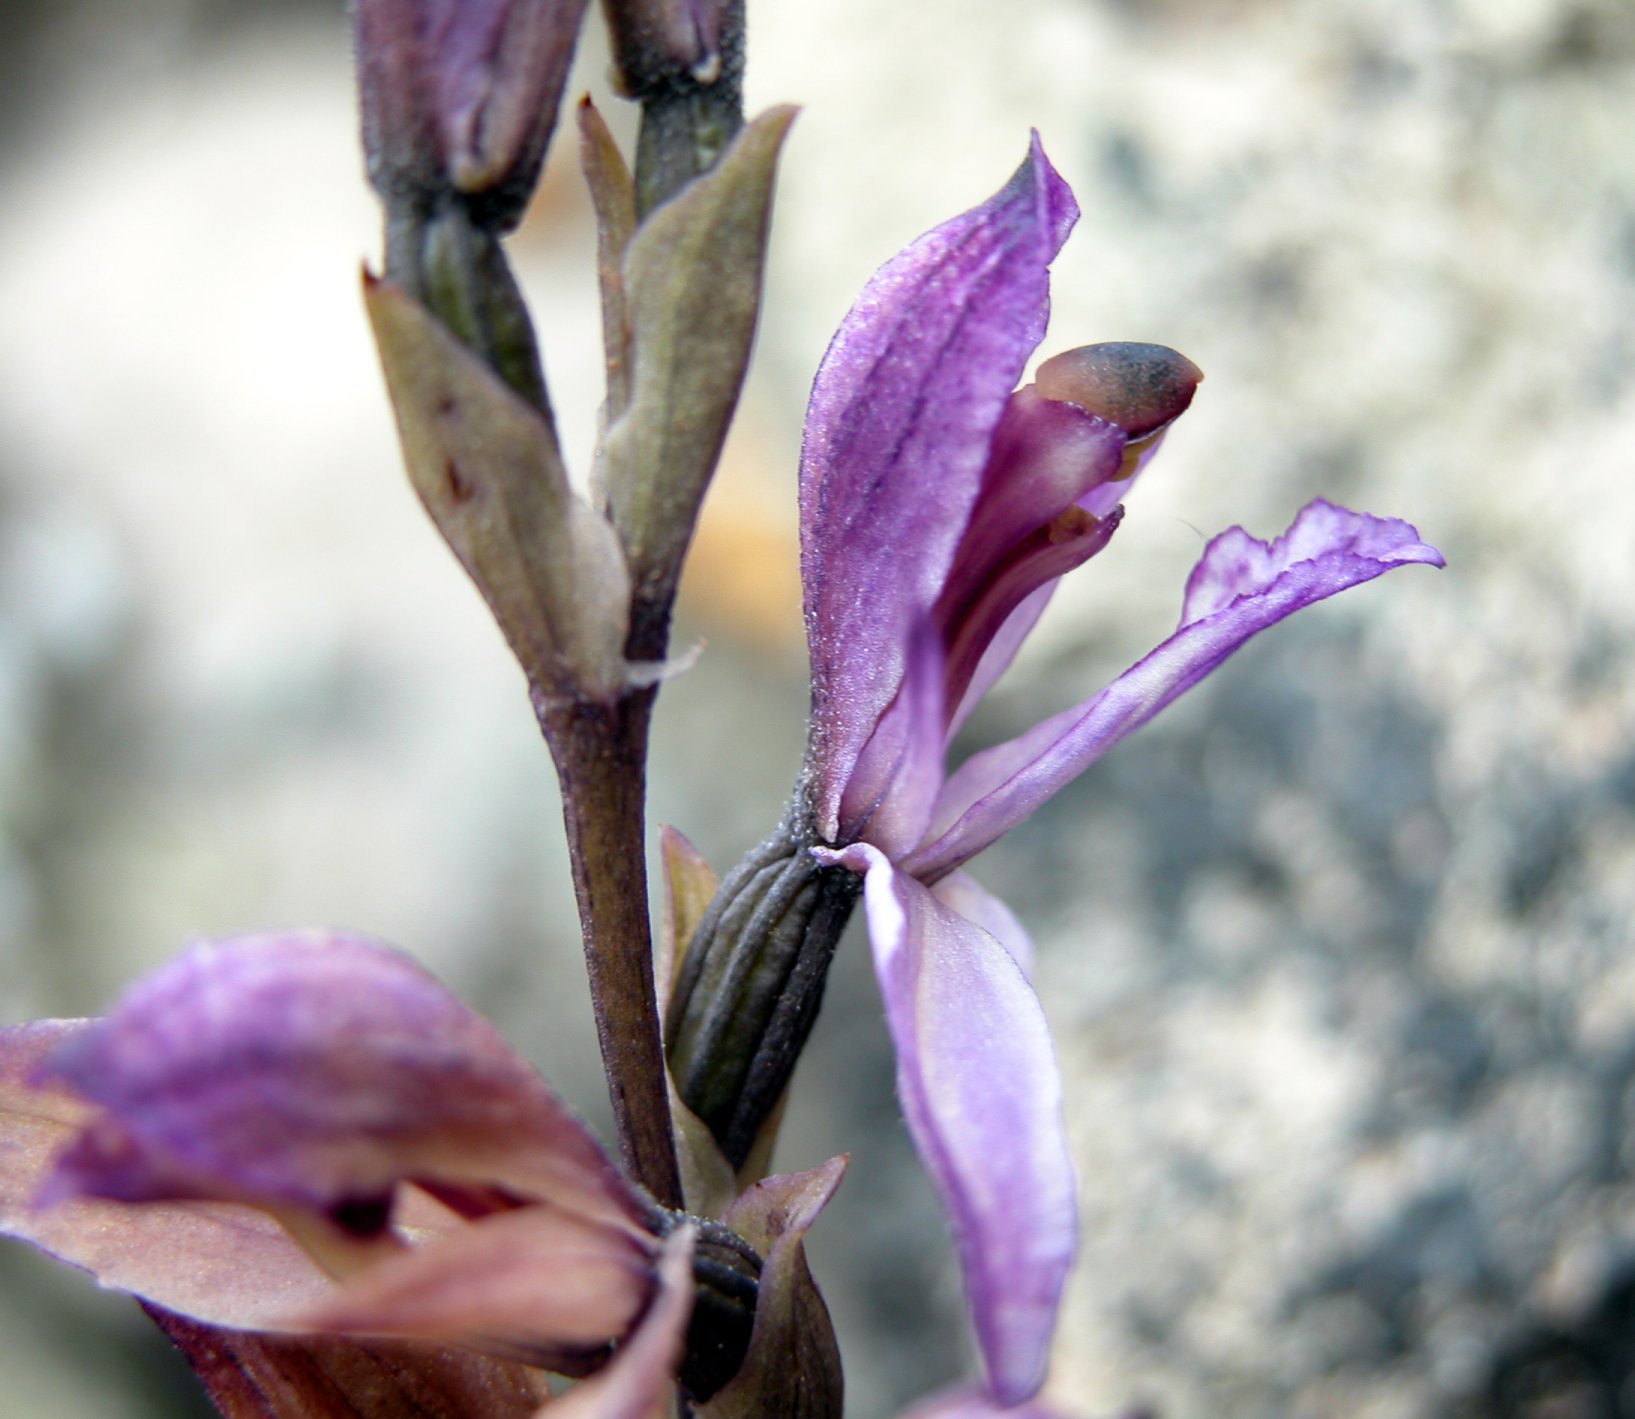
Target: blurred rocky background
point(1339, 953)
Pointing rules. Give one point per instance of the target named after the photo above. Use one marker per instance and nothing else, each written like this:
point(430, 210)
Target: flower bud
point(460, 97)
point(672, 38)
point(684, 61)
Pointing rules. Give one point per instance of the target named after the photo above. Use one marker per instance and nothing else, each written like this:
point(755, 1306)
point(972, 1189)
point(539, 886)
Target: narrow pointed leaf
point(689, 886)
point(613, 196)
point(707, 1182)
point(692, 284)
point(486, 465)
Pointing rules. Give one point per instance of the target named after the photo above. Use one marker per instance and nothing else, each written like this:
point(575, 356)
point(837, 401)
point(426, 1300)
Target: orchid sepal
point(906, 401)
point(982, 1098)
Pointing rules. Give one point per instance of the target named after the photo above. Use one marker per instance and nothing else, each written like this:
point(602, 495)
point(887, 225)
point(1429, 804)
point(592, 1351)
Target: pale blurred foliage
point(1337, 954)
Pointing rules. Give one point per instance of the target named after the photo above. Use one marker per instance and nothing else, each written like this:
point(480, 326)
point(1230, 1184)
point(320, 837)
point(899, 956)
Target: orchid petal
point(897, 434)
point(1046, 456)
point(1000, 651)
point(960, 892)
point(1239, 588)
point(1029, 526)
point(982, 1099)
point(217, 1262)
point(637, 1384)
point(1039, 561)
point(1048, 459)
point(894, 785)
point(311, 1074)
point(535, 1284)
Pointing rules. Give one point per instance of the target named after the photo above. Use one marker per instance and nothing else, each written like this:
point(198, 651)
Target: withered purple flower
point(938, 511)
point(307, 1137)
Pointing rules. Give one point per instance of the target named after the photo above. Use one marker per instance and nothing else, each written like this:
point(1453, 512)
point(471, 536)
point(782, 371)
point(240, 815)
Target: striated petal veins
point(897, 435)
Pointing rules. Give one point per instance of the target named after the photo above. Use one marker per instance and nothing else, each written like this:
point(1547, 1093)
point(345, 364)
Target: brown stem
point(601, 759)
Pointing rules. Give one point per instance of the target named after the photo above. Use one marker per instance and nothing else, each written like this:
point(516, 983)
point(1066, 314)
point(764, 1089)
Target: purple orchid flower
point(938, 511)
point(303, 1154)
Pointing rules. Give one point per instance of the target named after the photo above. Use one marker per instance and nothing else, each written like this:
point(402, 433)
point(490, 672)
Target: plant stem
point(601, 759)
point(690, 112)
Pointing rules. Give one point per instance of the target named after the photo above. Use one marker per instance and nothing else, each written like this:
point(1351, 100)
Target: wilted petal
point(1239, 588)
point(250, 1376)
point(793, 1368)
point(637, 1384)
point(897, 436)
point(982, 1099)
point(314, 1073)
point(215, 1261)
point(535, 1284)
